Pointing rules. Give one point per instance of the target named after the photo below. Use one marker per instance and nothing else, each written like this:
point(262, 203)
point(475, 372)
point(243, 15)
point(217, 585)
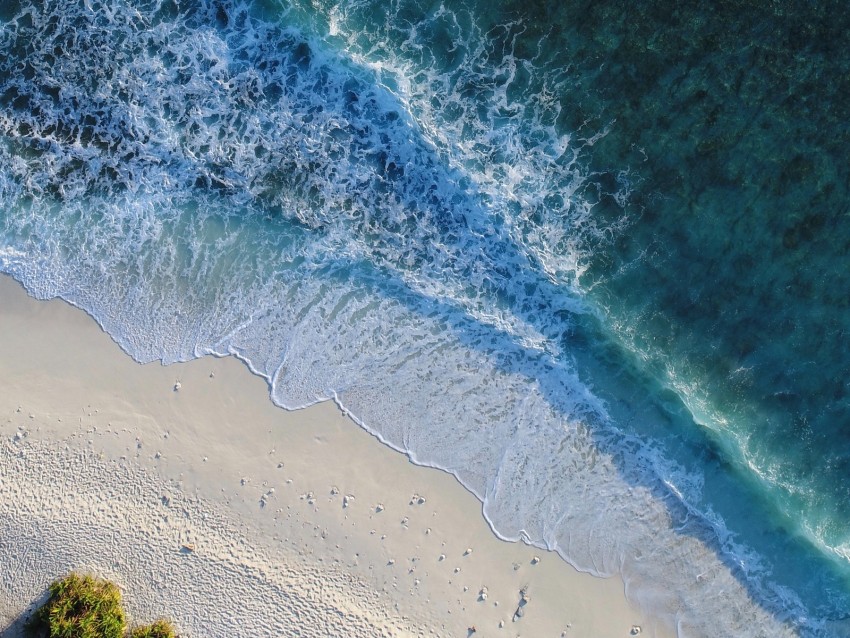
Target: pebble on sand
point(468, 551)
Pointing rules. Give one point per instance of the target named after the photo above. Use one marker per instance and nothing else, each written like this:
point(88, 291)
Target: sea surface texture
point(590, 257)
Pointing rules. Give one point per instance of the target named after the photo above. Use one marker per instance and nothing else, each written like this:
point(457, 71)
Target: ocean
point(589, 257)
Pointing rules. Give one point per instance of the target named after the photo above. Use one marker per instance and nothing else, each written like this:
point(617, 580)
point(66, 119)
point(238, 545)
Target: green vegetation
point(159, 629)
point(82, 606)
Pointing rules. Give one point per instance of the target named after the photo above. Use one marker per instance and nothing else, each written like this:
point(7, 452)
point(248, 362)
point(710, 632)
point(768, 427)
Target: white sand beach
point(209, 505)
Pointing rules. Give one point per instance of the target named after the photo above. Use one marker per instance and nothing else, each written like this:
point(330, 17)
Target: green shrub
point(82, 606)
point(158, 629)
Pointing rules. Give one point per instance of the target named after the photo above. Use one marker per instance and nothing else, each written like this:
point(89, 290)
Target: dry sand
point(209, 505)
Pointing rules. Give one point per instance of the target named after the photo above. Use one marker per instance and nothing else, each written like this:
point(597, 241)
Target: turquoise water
point(589, 258)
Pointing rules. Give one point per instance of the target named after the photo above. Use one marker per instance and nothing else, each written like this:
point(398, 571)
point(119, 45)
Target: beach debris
point(468, 551)
point(205, 459)
point(416, 499)
point(501, 624)
point(442, 557)
point(519, 613)
point(635, 630)
point(212, 375)
point(482, 594)
point(524, 598)
point(244, 480)
point(391, 561)
point(334, 490)
point(280, 465)
point(427, 531)
point(457, 570)
point(187, 547)
point(465, 588)
point(379, 508)
point(471, 630)
point(177, 386)
point(535, 560)
point(415, 582)
point(346, 500)
point(404, 521)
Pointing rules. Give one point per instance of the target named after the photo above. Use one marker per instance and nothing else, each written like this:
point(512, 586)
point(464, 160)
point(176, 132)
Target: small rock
point(468, 551)
point(635, 630)
point(391, 561)
point(442, 557)
point(177, 386)
point(535, 560)
point(334, 491)
point(379, 507)
point(501, 624)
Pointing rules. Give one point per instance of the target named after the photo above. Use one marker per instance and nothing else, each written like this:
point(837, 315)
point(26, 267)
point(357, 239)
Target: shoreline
point(299, 523)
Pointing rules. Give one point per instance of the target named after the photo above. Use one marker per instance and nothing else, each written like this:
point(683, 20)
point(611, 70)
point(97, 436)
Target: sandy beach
point(209, 505)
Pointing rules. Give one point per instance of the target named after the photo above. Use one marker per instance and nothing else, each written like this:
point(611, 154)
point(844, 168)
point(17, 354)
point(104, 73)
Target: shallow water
point(590, 259)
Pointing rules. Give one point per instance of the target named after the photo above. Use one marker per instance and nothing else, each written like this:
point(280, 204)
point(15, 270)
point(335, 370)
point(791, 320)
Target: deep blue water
point(589, 257)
